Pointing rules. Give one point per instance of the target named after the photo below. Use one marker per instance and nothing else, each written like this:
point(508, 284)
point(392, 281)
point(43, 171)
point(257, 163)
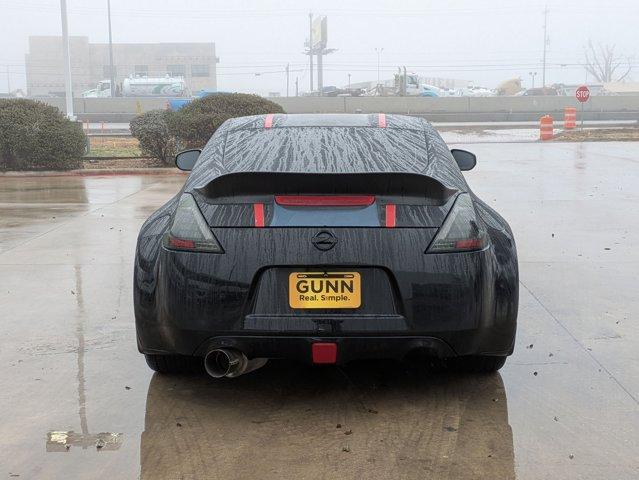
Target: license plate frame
point(325, 290)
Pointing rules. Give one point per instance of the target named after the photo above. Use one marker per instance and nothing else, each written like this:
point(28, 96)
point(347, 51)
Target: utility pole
point(349, 82)
point(111, 71)
point(543, 72)
point(297, 92)
point(310, 49)
point(8, 81)
point(287, 78)
point(68, 91)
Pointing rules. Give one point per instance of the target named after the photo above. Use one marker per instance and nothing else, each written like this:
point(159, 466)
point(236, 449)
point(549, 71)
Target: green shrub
point(194, 124)
point(36, 136)
point(152, 131)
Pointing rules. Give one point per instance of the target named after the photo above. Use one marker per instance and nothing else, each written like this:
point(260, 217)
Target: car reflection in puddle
point(293, 421)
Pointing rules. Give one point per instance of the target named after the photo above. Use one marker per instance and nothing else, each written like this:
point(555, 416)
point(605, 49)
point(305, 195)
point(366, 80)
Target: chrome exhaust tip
point(230, 363)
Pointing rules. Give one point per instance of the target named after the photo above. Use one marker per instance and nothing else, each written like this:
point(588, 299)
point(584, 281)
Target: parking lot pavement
point(78, 401)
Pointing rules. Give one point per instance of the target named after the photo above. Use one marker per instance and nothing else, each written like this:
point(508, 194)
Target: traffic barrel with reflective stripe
point(546, 131)
point(570, 118)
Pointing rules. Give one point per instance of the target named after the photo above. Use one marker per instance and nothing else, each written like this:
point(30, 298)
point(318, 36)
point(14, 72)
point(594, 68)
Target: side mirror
point(186, 159)
point(465, 160)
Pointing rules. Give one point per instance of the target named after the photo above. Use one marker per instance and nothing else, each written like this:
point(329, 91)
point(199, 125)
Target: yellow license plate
point(324, 290)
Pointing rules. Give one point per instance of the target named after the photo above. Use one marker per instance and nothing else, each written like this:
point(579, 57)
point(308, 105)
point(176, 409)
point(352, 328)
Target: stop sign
point(582, 94)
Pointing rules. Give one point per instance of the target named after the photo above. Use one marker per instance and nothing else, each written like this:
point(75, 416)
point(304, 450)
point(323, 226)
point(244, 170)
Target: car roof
point(327, 120)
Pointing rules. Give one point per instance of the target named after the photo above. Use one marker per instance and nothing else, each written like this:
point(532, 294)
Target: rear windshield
point(326, 150)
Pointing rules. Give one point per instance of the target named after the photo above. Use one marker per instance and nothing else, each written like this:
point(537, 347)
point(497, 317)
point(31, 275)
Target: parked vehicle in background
point(475, 91)
point(140, 87)
point(409, 85)
point(429, 91)
point(595, 88)
point(511, 86)
point(447, 92)
point(540, 92)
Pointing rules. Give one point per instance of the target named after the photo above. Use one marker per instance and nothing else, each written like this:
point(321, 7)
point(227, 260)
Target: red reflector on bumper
point(325, 200)
point(324, 352)
point(468, 244)
point(180, 243)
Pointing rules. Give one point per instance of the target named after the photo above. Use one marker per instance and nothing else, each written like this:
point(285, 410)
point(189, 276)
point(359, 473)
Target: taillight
point(189, 230)
point(461, 232)
point(325, 200)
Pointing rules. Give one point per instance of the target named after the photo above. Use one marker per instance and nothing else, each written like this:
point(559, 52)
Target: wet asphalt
point(78, 401)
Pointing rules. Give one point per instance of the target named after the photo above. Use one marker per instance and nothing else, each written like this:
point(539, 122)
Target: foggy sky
point(481, 41)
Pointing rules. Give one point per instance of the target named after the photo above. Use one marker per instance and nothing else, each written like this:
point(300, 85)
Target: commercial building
point(196, 62)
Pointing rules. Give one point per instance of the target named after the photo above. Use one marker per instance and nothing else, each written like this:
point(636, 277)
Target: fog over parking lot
point(479, 42)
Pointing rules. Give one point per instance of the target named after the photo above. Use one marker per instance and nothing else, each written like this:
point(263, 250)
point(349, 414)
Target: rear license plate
point(324, 290)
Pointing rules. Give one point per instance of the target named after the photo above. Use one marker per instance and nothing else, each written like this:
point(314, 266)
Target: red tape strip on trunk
point(390, 215)
point(258, 213)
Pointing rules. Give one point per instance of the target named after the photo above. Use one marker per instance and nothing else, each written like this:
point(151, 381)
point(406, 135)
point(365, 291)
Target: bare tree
point(603, 63)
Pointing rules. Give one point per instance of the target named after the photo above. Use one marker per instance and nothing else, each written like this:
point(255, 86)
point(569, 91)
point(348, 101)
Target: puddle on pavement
point(302, 422)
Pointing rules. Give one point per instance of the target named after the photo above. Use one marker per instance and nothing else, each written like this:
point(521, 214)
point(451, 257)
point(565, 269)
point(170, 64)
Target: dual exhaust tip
point(230, 363)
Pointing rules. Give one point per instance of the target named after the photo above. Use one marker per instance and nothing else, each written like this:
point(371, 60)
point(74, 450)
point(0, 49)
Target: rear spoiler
point(252, 186)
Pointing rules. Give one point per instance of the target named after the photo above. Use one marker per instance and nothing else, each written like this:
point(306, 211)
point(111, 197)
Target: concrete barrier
point(311, 104)
point(453, 109)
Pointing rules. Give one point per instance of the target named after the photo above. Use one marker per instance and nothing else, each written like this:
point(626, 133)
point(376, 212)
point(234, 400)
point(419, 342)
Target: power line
point(254, 13)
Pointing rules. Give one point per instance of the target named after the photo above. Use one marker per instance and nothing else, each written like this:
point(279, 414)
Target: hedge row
point(162, 132)
point(36, 136)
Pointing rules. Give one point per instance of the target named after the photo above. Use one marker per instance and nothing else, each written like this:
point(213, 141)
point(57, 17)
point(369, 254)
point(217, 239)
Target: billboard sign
point(319, 32)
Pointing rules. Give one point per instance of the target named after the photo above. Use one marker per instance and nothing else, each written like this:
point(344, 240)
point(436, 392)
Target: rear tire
point(173, 363)
point(477, 363)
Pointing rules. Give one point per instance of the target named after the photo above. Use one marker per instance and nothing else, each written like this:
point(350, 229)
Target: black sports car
point(325, 238)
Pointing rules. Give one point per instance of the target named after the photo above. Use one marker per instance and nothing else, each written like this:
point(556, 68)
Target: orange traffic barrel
point(545, 128)
point(570, 118)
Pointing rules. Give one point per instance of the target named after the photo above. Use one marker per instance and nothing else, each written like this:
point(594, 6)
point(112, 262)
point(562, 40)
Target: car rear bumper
point(354, 347)
point(348, 348)
point(464, 304)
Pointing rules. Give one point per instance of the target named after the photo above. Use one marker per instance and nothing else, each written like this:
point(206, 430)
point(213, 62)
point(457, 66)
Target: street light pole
point(287, 78)
point(532, 76)
point(379, 55)
point(543, 71)
point(349, 82)
point(111, 72)
point(68, 91)
point(310, 50)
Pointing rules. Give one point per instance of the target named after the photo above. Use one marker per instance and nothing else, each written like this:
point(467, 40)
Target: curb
point(94, 172)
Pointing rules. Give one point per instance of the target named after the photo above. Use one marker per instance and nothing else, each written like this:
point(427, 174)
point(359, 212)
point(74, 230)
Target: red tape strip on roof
point(268, 121)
